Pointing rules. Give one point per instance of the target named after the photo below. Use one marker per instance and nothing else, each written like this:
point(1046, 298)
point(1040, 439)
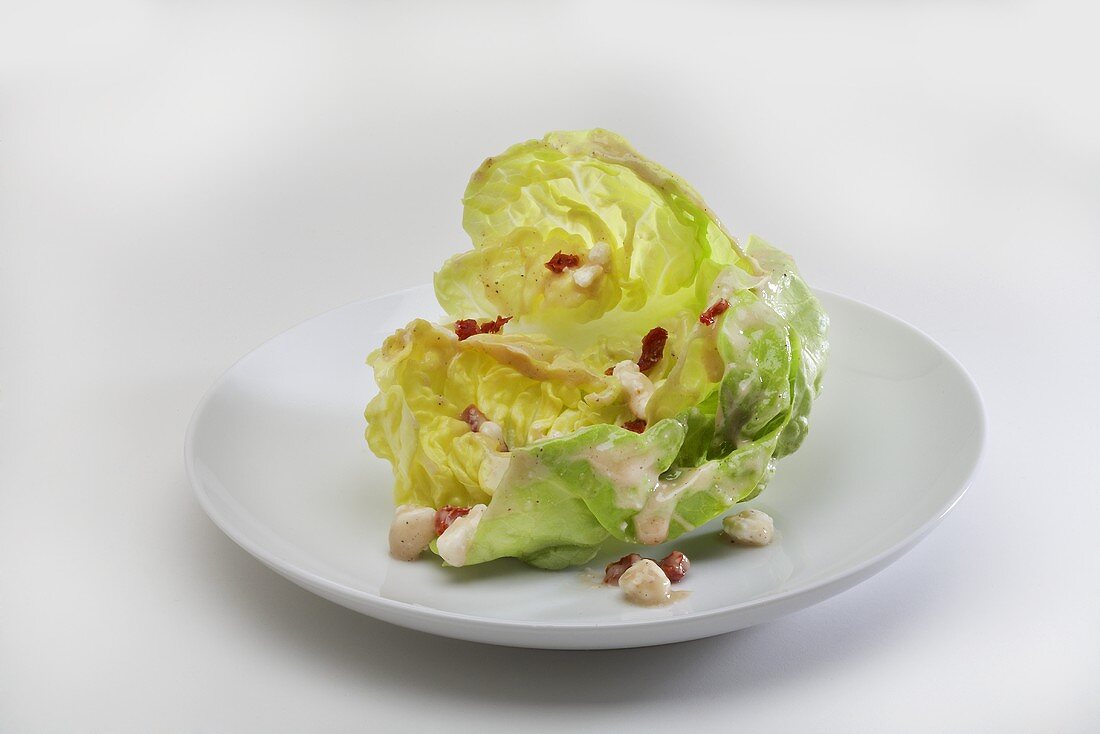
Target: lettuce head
point(583, 250)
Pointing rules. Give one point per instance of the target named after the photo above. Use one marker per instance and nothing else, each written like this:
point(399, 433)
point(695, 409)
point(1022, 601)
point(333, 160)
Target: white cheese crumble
point(412, 529)
point(455, 540)
point(599, 257)
point(645, 583)
point(600, 254)
point(586, 275)
point(493, 431)
point(750, 527)
point(638, 387)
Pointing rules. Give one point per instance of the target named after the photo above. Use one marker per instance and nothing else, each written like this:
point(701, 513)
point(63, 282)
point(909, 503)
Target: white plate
point(277, 457)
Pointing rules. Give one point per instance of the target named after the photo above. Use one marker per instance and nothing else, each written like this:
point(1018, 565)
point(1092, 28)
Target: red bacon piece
point(446, 515)
point(637, 425)
point(465, 328)
point(675, 565)
point(707, 317)
point(653, 348)
point(561, 261)
point(494, 326)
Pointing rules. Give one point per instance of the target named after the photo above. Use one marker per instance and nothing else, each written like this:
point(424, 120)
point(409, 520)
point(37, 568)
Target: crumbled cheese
point(750, 527)
point(412, 529)
point(599, 257)
point(600, 254)
point(586, 275)
point(645, 583)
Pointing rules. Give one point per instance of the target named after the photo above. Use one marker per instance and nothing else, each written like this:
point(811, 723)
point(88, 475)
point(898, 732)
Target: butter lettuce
point(728, 399)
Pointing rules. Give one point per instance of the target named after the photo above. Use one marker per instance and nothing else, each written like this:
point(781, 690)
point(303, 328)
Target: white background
point(181, 181)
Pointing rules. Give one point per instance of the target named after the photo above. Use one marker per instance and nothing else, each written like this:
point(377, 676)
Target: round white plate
point(277, 457)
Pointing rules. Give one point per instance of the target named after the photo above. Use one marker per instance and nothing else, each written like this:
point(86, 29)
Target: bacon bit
point(637, 425)
point(609, 371)
point(561, 261)
point(653, 348)
point(446, 515)
point(707, 317)
point(465, 328)
point(494, 326)
point(614, 570)
point(675, 565)
point(474, 417)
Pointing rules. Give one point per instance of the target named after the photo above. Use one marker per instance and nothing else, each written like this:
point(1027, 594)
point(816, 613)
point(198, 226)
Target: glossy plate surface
point(276, 455)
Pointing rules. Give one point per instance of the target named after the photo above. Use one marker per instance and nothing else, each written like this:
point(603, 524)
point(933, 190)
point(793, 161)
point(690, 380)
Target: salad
point(613, 364)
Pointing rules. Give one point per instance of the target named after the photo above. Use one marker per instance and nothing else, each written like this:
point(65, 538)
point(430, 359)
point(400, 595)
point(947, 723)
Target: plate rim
point(400, 609)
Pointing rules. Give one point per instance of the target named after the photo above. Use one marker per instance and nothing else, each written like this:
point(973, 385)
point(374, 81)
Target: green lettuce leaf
point(787, 294)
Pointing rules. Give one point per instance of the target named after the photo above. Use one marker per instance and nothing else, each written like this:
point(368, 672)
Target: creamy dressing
point(411, 531)
point(746, 385)
point(455, 541)
point(756, 315)
point(751, 319)
point(638, 387)
point(632, 475)
point(523, 467)
point(651, 524)
point(739, 341)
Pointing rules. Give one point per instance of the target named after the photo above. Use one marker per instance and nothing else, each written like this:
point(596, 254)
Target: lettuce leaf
point(728, 399)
